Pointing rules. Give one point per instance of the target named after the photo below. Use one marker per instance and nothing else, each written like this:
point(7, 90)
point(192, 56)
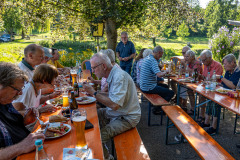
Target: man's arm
point(19, 107)
point(118, 55)
point(130, 57)
point(161, 74)
point(228, 83)
point(25, 146)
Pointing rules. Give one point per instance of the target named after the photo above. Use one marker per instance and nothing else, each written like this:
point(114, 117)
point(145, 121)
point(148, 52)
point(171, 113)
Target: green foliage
point(44, 43)
point(183, 30)
point(223, 42)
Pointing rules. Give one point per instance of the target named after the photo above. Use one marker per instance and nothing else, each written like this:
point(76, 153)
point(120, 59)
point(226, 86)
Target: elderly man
point(33, 56)
point(125, 52)
point(47, 54)
point(209, 66)
point(229, 81)
point(123, 111)
point(149, 73)
point(15, 139)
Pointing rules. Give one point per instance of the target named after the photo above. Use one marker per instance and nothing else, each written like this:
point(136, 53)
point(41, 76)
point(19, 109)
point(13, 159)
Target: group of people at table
point(24, 89)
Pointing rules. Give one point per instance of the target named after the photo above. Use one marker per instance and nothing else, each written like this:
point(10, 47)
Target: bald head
point(32, 48)
point(33, 54)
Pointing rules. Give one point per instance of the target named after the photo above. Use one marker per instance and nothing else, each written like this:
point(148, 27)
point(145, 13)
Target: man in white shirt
point(33, 55)
point(123, 111)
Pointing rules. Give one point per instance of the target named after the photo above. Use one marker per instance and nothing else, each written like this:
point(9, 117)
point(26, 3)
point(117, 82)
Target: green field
point(13, 51)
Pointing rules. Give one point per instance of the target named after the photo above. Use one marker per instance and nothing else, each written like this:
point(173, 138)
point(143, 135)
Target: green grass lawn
point(13, 51)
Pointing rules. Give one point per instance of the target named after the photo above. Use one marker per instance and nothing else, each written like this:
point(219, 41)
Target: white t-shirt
point(28, 97)
point(26, 70)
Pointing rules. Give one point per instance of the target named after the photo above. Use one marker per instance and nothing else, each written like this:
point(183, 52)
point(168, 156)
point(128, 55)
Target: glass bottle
point(213, 81)
point(180, 71)
point(74, 101)
point(40, 153)
point(187, 71)
point(76, 89)
point(208, 80)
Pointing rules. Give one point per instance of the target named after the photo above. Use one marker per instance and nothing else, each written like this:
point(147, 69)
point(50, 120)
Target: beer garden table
point(232, 104)
point(55, 147)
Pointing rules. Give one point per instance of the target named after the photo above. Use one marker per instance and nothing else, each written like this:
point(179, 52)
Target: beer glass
point(65, 98)
point(74, 75)
point(79, 117)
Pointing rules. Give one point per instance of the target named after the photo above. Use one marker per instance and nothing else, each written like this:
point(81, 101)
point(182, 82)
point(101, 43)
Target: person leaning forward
point(123, 111)
point(15, 139)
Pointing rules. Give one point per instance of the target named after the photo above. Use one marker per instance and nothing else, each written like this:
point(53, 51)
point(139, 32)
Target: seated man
point(15, 139)
point(123, 111)
point(149, 73)
point(229, 81)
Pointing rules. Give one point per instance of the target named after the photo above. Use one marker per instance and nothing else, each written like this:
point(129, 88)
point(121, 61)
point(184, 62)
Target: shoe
point(211, 130)
point(202, 124)
point(238, 145)
point(179, 137)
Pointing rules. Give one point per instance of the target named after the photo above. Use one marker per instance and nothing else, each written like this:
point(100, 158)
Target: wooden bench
point(129, 146)
point(154, 100)
point(198, 138)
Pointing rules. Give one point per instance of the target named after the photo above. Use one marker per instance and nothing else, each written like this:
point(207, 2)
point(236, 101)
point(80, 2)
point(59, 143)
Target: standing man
point(125, 52)
point(33, 56)
point(123, 111)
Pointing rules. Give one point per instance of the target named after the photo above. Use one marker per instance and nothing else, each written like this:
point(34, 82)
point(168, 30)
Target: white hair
point(157, 49)
point(146, 52)
point(110, 53)
point(102, 58)
point(206, 52)
point(191, 53)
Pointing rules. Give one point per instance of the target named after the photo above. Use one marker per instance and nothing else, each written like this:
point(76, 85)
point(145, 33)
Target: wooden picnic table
point(55, 147)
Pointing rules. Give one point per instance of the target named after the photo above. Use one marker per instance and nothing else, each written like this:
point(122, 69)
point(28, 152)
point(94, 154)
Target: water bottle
point(187, 71)
point(180, 71)
point(213, 82)
point(40, 153)
point(207, 86)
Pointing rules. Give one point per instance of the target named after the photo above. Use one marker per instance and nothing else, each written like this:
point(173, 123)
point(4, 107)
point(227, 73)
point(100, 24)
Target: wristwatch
point(95, 93)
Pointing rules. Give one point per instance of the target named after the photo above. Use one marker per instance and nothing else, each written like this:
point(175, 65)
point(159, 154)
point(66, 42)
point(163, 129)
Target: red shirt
point(214, 66)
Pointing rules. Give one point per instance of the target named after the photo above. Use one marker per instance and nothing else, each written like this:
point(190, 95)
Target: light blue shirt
point(148, 73)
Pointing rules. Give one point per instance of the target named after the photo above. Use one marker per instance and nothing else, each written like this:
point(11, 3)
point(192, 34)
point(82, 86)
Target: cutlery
point(45, 129)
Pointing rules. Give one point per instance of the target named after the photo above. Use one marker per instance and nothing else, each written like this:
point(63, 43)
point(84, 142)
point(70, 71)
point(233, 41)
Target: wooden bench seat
point(198, 138)
point(154, 100)
point(129, 146)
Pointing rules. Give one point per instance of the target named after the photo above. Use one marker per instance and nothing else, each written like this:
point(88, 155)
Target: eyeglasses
point(93, 68)
point(203, 60)
point(18, 90)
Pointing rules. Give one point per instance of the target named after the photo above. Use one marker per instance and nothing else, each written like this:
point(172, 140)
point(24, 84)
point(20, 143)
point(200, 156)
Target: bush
point(45, 43)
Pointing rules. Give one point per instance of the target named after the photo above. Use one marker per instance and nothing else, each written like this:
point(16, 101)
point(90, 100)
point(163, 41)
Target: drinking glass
point(74, 75)
point(65, 98)
point(79, 117)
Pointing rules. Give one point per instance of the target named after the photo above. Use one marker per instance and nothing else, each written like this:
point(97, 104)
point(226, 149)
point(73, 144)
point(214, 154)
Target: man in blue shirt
point(149, 73)
point(125, 52)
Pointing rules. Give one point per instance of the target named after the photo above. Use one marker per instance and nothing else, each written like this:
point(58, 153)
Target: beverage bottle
point(207, 85)
point(76, 89)
point(40, 153)
point(187, 71)
point(73, 103)
point(180, 71)
point(213, 81)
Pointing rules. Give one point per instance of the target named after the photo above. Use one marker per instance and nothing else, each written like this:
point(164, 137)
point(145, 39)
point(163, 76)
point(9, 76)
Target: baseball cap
point(47, 52)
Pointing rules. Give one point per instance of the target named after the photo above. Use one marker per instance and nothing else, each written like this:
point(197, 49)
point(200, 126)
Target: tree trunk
point(111, 32)
point(23, 34)
point(154, 41)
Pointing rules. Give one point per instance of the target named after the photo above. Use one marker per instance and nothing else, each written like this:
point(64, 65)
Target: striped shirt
point(148, 77)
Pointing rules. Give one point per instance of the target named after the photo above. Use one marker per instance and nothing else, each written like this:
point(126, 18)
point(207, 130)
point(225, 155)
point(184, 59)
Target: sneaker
point(211, 130)
point(202, 124)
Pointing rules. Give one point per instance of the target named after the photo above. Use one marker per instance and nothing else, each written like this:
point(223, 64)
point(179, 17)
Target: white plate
point(88, 101)
point(223, 90)
point(56, 124)
point(51, 100)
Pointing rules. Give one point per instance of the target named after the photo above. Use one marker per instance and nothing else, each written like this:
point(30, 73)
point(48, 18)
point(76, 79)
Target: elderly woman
point(192, 65)
point(134, 68)
point(229, 81)
point(15, 139)
point(44, 74)
point(145, 53)
point(103, 82)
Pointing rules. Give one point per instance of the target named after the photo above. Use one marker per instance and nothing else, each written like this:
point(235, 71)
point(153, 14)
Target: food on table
point(57, 100)
point(223, 90)
point(57, 118)
point(82, 99)
point(56, 131)
point(233, 94)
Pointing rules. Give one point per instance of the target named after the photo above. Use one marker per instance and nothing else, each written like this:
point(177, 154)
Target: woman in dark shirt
point(15, 139)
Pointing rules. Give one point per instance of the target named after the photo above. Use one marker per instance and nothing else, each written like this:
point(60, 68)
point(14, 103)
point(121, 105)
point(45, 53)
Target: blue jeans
point(127, 68)
point(164, 92)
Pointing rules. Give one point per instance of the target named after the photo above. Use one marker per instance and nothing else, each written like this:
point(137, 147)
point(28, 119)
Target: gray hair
point(229, 58)
point(191, 53)
point(185, 49)
point(9, 73)
point(124, 33)
point(102, 58)
point(110, 53)
point(146, 52)
point(157, 49)
point(206, 52)
point(32, 48)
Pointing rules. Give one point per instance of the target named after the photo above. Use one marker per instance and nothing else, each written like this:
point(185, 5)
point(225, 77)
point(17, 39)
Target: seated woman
point(134, 68)
point(44, 75)
point(192, 65)
point(229, 81)
point(15, 139)
point(54, 61)
point(145, 53)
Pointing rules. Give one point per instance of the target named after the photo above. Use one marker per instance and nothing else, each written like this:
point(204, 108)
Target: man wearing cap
point(33, 56)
